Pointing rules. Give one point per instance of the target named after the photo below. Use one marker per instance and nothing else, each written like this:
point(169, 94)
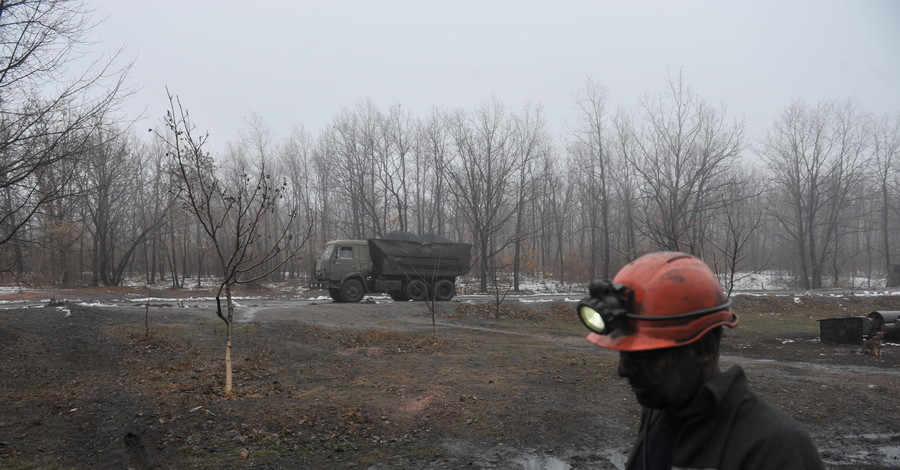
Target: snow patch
point(96, 304)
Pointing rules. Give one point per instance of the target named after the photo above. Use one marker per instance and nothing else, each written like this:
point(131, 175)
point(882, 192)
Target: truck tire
point(416, 290)
point(335, 294)
point(444, 290)
point(352, 291)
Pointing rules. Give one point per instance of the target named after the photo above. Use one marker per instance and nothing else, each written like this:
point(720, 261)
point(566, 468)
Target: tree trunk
point(229, 340)
point(483, 249)
point(885, 229)
point(199, 259)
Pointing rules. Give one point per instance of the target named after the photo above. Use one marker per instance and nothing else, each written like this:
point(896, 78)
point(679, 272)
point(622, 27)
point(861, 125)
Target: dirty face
point(663, 379)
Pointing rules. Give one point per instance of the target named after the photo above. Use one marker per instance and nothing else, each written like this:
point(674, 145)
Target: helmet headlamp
point(607, 309)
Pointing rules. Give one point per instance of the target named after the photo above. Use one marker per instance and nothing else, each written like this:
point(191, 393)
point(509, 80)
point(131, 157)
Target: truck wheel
point(444, 290)
point(352, 291)
point(416, 290)
point(397, 296)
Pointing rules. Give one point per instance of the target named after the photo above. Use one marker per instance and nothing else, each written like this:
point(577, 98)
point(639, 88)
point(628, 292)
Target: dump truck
point(403, 265)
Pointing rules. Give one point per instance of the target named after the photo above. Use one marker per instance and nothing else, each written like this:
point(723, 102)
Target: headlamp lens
point(592, 319)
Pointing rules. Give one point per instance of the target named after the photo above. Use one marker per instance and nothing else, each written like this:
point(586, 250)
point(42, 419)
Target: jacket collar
point(712, 393)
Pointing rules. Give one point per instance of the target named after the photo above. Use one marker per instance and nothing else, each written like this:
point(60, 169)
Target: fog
point(299, 63)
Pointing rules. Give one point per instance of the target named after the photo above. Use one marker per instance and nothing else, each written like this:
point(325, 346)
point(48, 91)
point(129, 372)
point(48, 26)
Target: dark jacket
point(726, 427)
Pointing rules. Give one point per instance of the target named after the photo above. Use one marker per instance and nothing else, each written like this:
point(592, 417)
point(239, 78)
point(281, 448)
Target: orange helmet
point(660, 300)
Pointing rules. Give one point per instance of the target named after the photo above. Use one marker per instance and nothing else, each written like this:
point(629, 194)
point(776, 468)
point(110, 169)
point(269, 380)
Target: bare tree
point(625, 183)
point(155, 203)
point(112, 177)
point(595, 163)
point(296, 162)
point(483, 175)
point(683, 149)
point(531, 143)
point(45, 118)
point(816, 158)
point(323, 162)
point(735, 225)
point(393, 144)
point(231, 215)
point(432, 155)
point(351, 139)
point(59, 226)
point(886, 141)
point(555, 199)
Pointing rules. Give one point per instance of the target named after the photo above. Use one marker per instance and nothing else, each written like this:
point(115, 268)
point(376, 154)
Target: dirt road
point(114, 384)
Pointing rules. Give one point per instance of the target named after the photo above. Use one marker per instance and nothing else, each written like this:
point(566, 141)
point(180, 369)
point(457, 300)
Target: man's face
point(663, 379)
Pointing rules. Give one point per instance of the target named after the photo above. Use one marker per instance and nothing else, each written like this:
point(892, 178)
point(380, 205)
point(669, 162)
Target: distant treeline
point(86, 200)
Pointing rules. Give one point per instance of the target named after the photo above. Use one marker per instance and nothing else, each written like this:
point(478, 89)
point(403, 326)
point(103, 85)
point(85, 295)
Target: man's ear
point(706, 349)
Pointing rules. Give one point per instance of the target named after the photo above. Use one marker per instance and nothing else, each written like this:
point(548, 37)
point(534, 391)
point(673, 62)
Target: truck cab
point(342, 261)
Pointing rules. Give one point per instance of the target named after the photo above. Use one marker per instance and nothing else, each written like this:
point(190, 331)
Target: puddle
point(866, 448)
point(542, 462)
point(891, 454)
point(246, 314)
point(875, 436)
point(605, 459)
point(464, 454)
point(885, 455)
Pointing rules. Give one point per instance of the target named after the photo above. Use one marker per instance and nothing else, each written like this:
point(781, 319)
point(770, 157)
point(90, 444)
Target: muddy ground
point(383, 385)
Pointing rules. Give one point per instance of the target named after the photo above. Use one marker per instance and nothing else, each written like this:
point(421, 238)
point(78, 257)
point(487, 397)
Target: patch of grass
point(764, 325)
point(363, 382)
point(17, 464)
point(374, 456)
point(316, 393)
point(391, 340)
point(265, 456)
point(167, 336)
point(424, 451)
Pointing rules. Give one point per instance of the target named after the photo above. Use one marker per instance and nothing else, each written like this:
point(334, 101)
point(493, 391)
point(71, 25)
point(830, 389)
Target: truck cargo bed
point(414, 259)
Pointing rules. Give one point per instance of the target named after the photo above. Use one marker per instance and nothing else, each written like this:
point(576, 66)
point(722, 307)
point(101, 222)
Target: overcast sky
point(299, 62)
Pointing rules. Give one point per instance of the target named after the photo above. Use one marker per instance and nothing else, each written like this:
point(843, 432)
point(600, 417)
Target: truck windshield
point(326, 254)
